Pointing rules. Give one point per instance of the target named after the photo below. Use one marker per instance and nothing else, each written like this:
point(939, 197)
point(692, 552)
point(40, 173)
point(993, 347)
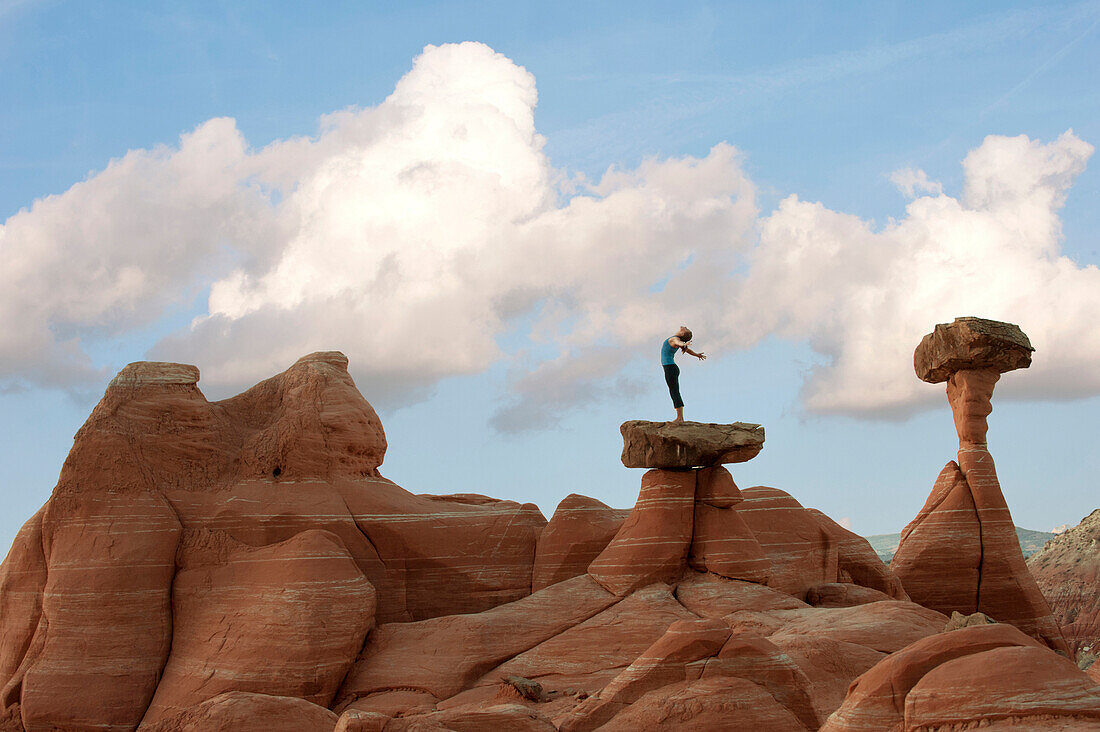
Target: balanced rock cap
point(688, 444)
point(971, 343)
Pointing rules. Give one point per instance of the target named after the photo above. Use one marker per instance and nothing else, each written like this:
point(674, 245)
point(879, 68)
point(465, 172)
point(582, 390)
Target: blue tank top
point(667, 353)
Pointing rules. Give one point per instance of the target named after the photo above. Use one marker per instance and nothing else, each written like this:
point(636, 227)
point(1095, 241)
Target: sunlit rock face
point(961, 552)
point(243, 565)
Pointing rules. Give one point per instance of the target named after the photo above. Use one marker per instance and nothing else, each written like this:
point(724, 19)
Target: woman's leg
point(672, 378)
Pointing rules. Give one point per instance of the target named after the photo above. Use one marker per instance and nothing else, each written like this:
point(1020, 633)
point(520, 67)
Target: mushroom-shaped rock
point(971, 343)
point(688, 444)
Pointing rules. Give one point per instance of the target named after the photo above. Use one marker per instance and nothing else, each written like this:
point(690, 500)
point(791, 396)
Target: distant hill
point(1030, 542)
point(1068, 573)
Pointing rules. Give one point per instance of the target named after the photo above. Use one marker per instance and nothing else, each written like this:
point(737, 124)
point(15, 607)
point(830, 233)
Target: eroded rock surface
point(688, 444)
point(971, 343)
point(1067, 570)
point(217, 565)
point(961, 553)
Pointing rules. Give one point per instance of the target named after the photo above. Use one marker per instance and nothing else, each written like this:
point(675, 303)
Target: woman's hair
point(687, 335)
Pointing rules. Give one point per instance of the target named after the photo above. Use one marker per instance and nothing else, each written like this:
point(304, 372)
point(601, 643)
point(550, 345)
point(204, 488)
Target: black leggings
point(672, 378)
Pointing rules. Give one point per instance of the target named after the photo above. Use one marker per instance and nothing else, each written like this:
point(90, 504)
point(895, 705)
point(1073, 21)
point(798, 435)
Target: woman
point(680, 341)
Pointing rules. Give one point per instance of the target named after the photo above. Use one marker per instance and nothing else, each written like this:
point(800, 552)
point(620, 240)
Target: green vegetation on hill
point(1030, 542)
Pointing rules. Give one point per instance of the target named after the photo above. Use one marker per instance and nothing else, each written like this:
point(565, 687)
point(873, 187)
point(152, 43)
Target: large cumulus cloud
point(421, 234)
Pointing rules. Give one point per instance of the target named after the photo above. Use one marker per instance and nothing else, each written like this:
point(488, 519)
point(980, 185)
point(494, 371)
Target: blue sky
point(824, 103)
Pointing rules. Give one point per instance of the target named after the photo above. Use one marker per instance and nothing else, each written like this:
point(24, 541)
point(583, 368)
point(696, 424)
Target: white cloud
point(914, 182)
point(417, 234)
point(863, 298)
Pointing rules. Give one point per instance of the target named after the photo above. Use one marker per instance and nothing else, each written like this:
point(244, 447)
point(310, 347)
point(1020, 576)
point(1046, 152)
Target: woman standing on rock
point(680, 341)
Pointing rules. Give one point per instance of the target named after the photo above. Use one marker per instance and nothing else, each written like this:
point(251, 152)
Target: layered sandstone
point(975, 676)
point(1067, 570)
point(165, 492)
point(961, 553)
point(244, 565)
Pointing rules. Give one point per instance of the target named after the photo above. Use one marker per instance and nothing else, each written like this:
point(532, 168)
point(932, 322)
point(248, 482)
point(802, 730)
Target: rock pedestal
point(684, 512)
point(961, 553)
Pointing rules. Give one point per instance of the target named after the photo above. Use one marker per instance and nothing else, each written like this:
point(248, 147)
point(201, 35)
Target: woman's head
point(684, 334)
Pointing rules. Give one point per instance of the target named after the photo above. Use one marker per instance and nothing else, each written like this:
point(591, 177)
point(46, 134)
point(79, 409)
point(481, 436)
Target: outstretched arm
point(683, 346)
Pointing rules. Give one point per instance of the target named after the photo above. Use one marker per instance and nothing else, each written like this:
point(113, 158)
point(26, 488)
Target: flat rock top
point(141, 373)
point(688, 444)
point(971, 343)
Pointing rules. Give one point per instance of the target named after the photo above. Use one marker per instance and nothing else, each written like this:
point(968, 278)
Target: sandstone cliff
point(243, 565)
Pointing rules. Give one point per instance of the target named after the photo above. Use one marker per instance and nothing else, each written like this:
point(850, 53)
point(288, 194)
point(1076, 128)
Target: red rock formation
point(969, 677)
point(1017, 684)
point(652, 544)
point(579, 530)
point(722, 542)
point(1067, 571)
point(961, 552)
point(444, 655)
point(240, 711)
point(86, 594)
point(216, 565)
point(247, 620)
point(663, 663)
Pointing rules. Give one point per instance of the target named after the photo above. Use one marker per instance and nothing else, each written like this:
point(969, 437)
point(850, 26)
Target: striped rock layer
point(961, 552)
point(243, 565)
point(1067, 571)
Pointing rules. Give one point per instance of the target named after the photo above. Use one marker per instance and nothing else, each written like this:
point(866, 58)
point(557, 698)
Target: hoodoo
point(243, 565)
point(961, 552)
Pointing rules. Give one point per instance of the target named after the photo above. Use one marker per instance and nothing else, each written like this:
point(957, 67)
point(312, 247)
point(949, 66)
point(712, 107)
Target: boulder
point(652, 544)
point(579, 530)
point(284, 620)
point(971, 343)
point(958, 620)
point(240, 711)
point(354, 720)
point(688, 444)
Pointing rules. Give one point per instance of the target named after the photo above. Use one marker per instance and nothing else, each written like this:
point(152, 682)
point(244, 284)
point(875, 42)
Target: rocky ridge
point(244, 565)
point(1068, 572)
